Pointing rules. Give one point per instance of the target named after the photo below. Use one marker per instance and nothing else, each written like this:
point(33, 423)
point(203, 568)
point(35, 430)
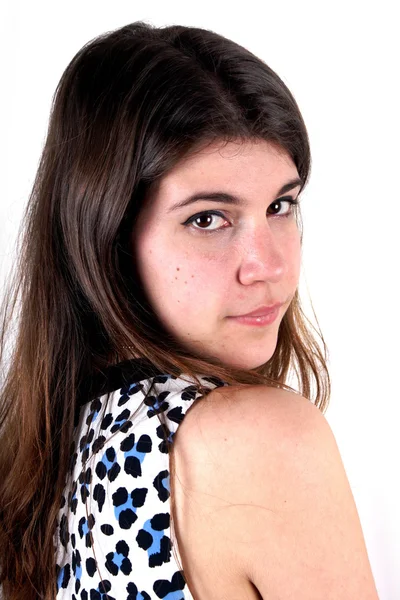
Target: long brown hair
point(128, 107)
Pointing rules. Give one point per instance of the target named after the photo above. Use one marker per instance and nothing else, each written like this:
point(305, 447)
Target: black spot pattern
point(113, 537)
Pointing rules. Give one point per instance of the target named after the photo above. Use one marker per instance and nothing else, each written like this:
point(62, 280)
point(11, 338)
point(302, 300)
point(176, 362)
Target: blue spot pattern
point(113, 539)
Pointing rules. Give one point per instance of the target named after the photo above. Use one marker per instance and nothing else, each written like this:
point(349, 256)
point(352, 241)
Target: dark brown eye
point(202, 221)
point(205, 220)
point(276, 205)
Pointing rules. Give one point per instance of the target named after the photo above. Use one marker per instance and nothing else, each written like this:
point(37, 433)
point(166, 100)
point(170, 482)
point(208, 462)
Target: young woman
point(158, 288)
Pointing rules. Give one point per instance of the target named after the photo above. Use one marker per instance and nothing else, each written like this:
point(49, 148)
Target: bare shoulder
point(262, 487)
point(234, 427)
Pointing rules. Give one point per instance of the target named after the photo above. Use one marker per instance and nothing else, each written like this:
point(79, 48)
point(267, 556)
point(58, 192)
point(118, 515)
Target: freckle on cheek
point(177, 268)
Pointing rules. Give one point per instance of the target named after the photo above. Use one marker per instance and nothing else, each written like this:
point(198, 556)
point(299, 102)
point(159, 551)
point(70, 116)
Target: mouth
point(259, 319)
point(262, 311)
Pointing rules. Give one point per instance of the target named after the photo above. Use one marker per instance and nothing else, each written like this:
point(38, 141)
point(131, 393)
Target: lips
point(263, 310)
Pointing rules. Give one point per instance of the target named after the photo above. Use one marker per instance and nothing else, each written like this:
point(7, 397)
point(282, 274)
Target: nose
point(261, 256)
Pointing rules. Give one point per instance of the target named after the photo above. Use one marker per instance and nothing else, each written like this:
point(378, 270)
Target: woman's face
point(200, 270)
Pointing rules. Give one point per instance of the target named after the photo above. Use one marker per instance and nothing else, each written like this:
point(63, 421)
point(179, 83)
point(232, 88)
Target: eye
point(292, 203)
point(202, 220)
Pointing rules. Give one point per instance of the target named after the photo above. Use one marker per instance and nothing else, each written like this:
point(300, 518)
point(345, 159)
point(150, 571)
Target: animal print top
point(113, 538)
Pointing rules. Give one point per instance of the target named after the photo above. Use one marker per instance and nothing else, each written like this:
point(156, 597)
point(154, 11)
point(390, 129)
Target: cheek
point(193, 280)
point(174, 275)
point(296, 254)
point(294, 264)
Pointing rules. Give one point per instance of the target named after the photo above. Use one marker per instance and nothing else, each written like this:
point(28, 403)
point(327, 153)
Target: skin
point(195, 280)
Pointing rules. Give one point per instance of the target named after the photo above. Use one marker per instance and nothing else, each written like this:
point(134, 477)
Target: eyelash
point(217, 213)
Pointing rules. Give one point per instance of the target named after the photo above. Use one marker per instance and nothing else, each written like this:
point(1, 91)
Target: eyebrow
point(229, 198)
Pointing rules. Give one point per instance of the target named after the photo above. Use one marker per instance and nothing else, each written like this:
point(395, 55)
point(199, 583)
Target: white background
point(341, 62)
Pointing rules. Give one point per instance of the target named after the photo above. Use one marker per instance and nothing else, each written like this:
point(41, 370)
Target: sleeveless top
point(113, 537)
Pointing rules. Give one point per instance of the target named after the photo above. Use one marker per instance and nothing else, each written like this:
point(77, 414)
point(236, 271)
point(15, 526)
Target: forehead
point(243, 166)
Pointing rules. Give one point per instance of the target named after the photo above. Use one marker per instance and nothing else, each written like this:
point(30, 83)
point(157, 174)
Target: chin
point(248, 363)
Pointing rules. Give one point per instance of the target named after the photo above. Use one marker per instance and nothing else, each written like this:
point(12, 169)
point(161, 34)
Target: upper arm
point(305, 539)
point(276, 496)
